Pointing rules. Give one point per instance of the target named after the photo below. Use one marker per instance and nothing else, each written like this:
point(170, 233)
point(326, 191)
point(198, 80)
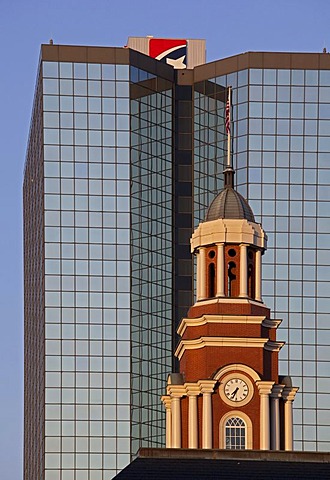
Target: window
point(211, 280)
point(235, 431)
point(235, 434)
point(231, 279)
point(251, 282)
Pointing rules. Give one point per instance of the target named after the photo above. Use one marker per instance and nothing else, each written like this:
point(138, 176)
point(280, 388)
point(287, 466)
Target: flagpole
point(228, 128)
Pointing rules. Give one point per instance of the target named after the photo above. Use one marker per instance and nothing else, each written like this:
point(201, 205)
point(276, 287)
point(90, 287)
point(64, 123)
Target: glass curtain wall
point(281, 122)
point(87, 269)
point(152, 252)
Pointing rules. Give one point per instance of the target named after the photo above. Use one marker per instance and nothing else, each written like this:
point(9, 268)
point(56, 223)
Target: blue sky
point(228, 27)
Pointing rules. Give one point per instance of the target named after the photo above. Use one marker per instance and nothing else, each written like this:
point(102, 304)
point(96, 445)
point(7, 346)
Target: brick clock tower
point(228, 394)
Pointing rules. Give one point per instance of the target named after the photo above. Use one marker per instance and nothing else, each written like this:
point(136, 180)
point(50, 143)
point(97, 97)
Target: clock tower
point(228, 394)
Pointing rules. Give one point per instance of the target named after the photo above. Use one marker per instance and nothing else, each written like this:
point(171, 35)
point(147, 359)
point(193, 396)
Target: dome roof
point(229, 203)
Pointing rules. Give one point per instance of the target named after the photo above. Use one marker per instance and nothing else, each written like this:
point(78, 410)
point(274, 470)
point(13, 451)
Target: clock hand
point(234, 392)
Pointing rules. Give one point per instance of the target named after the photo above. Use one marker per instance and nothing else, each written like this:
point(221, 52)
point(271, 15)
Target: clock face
point(236, 390)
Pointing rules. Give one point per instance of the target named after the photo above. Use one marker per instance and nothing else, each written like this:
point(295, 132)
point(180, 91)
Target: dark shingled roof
point(229, 203)
point(213, 464)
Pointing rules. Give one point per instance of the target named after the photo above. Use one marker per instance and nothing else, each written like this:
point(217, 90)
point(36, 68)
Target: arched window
point(251, 282)
point(251, 273)
point(231, 278)
point(235, 434)
point(211, 280)
point(235, 431)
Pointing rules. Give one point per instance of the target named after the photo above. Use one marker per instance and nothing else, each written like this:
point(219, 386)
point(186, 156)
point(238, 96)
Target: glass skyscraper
point(124, 156)
point(98, 203)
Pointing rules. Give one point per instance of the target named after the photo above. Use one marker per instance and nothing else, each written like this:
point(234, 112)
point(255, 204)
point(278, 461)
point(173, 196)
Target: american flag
point(228, 114)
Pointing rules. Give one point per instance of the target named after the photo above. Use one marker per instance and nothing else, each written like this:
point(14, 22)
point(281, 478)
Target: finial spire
point(229, 171)
point(228, 122)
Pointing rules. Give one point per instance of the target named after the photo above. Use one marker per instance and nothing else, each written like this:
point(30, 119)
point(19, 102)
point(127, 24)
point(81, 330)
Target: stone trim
point(224, 230)
point(271, 323)
point(231, 300)
point(272, 346)
point(218, 342)
point(239, 367)
point(219, 319)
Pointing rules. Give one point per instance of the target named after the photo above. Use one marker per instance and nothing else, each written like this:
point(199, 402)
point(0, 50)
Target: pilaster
point(207, 388)
point(275, 416)
point(166, 399)
point(193, 390)
point(265, 389)
point(176, 393)
point(288, 396)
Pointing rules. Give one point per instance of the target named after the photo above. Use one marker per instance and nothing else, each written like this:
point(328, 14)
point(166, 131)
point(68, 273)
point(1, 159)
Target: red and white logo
point(171, 51)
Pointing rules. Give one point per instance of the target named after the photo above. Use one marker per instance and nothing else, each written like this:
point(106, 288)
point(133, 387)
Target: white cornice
point(166, 399)
point(202, 342)
point(228, 231)
point(207, 386)
point(289, 393)
point(273, 346)
point(231, 300)
point(176, 391)
point(265, 386)
point(271, 323)
point(225, 319)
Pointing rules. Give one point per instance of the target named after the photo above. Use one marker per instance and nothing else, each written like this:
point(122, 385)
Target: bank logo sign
point(173, 52)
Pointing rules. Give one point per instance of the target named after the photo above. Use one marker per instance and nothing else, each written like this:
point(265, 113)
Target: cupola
point(229, 245)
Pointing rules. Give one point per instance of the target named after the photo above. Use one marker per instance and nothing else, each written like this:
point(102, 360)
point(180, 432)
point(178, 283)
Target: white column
point(176, 392)
point(207, 388)
point(275, 417)
point(288, 396)
point(176, 422)
point(264, 390)
point(166, 399)
point(220, 271)
point(201, 274)
point(243, 271)
point(258, 276)
point(193, 390)
point(198, 276)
